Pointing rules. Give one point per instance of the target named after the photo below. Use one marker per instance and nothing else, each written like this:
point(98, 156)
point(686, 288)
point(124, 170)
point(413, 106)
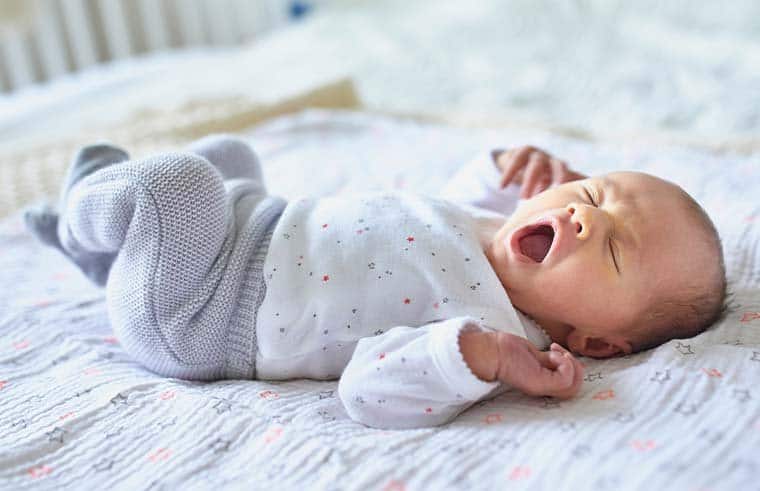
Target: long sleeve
point(477, 184)
point(412, 377)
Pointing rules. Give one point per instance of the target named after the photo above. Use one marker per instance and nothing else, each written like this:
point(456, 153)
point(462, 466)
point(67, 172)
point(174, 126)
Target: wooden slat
point(154, 27)
point(189, 14)
point(50, 40)
point(79, 33)
point(116, 31)
point(17, 57)
point(219, 21)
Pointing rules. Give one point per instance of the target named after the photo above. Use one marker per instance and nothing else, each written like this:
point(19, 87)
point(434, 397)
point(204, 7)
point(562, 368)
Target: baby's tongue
point(536, 246)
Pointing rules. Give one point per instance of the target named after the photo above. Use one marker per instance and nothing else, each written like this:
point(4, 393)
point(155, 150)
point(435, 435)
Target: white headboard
point(52, 37)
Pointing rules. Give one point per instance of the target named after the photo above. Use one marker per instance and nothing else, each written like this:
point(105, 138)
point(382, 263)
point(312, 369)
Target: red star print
point(407, 301)
point(519, 472)
point(713, 372)
point(324, 225)
point(166, 395)
point(269, 394)
point(21, 344)
point(40, 471)
point(3, 383)
point(326, 278)
point(643, 446)
point(428, 410)
point(66, 416)
point(360, 231)
point(395, 486)
point(410, 239)
point(604, 395)
point(382, 355)
point(750, 316)
point(493, 418)
point(160, 455)
point(435, 305)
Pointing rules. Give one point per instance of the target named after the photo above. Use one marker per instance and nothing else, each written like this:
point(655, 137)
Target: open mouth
point(536, 241)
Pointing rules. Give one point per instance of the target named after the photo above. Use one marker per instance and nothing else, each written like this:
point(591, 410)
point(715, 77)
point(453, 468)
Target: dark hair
point(691, 310)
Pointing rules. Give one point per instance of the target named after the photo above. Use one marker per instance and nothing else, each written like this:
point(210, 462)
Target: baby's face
point(587, 258)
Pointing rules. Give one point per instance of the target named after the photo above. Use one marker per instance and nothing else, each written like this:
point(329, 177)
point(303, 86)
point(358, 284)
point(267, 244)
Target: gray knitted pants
point(188, 233)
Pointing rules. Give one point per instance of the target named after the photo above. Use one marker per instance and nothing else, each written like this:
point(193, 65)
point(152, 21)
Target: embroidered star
point(623, 417)
point(21, 423)
point(661, 376)
point(593, 376)
point(410, 239)
point(166, 424)
point(115, 432)
point(103, 465)
point(359, 399)
point(742, 395)
point(755, 356)
point(581, 451)
point(222, 406)
point(750, 316)
point(119, 400)
point(684, 349)
point(327, 393)
point(567, 426)
point(220, 445)
point(686, 409)
point(713, 436)
point(56, 435)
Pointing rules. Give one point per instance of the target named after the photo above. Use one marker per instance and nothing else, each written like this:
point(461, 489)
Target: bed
point(76, 412)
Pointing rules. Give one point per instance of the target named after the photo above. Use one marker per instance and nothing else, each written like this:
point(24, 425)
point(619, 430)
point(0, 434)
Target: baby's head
point(612, 264)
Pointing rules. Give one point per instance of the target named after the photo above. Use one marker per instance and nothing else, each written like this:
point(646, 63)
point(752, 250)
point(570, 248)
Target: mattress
point(77, 413)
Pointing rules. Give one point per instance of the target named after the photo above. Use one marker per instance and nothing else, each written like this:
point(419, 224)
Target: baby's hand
point(555, 373)
point(535, 169)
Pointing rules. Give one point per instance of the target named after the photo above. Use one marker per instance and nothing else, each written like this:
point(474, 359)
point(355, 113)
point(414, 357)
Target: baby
point(420, 306)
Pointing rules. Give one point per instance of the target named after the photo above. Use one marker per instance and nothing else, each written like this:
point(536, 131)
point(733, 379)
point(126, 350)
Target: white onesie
point(376, 288)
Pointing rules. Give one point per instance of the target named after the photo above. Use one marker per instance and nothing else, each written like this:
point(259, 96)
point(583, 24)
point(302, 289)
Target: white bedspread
point(76, 412)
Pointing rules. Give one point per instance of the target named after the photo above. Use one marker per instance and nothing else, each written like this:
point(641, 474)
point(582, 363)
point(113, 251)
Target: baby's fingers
point(533, 174)
point(516, 161)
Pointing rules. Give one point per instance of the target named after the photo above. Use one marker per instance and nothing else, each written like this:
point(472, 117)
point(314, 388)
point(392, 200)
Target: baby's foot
point(232, 156)
point(45, 223)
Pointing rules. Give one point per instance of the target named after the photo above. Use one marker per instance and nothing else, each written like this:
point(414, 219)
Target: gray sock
point(44, 222)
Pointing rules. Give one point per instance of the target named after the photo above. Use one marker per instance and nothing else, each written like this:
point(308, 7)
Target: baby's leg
point(167, 218)
point(231, 155)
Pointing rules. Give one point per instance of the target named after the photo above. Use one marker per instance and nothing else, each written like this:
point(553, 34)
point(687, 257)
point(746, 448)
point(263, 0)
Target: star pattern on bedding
point(686, 409)
point(103, 465)
point(684, 349)
point(742, 395)
point(661, 377)
point(220, 445)
point(56, 435)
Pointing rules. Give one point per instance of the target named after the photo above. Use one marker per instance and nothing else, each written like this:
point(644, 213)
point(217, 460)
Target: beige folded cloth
point(34, 172)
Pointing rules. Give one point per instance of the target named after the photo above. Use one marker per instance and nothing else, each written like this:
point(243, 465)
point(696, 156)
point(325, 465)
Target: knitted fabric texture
point(183, 291)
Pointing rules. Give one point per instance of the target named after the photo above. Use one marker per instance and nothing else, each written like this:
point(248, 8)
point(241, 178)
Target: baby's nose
point(575, 218)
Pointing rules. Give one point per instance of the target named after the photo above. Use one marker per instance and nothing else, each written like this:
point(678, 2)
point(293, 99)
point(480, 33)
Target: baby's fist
point(555, 373)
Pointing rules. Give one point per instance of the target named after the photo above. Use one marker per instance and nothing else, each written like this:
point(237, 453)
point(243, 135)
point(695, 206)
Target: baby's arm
point(412, 377)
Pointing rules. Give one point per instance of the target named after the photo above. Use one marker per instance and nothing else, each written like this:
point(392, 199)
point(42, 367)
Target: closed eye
point(612, 252)
point(590, 197)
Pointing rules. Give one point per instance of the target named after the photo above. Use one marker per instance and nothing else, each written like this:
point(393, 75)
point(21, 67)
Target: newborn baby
point(421, 306)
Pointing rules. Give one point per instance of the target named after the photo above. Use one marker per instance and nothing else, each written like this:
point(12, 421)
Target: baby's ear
point(595, 347)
